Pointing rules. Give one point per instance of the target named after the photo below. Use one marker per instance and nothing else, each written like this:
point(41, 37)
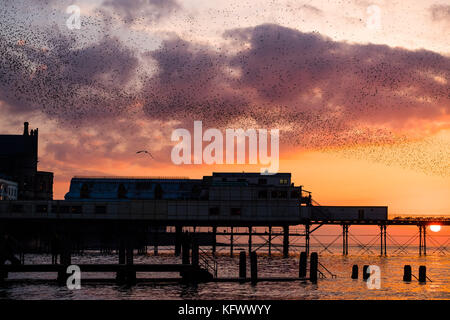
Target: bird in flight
point(145, 151)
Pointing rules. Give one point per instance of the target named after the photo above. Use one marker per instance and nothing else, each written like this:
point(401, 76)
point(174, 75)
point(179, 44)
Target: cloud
point(140, 9)
point(440, 12)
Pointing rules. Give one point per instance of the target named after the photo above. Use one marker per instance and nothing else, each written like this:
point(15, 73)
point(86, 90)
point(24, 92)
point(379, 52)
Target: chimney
point(25, 129)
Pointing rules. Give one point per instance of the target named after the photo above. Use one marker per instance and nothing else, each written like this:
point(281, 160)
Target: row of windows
point(278, 194)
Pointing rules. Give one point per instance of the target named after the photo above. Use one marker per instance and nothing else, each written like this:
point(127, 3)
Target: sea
point(35, 286)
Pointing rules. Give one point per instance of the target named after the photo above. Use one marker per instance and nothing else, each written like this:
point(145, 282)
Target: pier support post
point(422, 274)
point(155, 242)
point(120, 276)
point(131, 273)
point(249, 240)
point(242, 266)
point(65, 260)
point(355, 271)
point(231, 242)
point(307, 234)
point(253, 267)
point(313, 267)
point(214, 231)
point(178, 240)
point(383, 240)
point(185, 252)
point(270, 241)
point(345, 239)
point(285, 241)
point(302, 266)
point(422, 239)
point(407, 273)
point(195, 253)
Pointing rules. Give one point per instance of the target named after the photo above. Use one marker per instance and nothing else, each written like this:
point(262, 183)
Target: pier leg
point(65, 260)
point(344, 239)
point(381, 240)
point(242, 266)
point(249, 240)
point(307, 234)
point(185, 252)
point(420, 240)
point(195, 253)
point(424, 240)
point(313, 267)
point(302, 266)
point(120, 276)
point(231, 242)
point(366, 274)
point(178, 240)
point(285, 241)
point(270, 241)
point(385, 236)
point(214, 230)
point(131, 274)
point(155, 244)
point(253, 267)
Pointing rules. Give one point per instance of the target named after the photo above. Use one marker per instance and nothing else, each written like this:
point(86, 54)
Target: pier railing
point(208, 262)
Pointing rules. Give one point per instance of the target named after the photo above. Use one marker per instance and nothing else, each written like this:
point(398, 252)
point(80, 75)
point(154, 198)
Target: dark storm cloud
point(138, 9)
point(64, 81)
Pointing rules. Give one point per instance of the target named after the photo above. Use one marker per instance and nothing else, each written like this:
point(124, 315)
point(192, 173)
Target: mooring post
point(242, 266)
point(285, 241)
point(120, 275)
point(65, 259)
point(366, 273)
point(253, 267)
point(214, 240)
point(313, 267)
point(407, 273)
point(178, 239)
point(302, 266)
point(195, 253)
point(355, 271)
point(422, 274)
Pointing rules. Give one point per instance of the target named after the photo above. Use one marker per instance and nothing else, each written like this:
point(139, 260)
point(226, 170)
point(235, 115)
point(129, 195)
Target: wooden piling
point(285, 241)
point(178, 240)
point(253, 267)
point(407, 273)
point(242, 266)
point(120, 275)
point(355, 271)
point(302, 266)
point(366, 273)
point(130, 273)
point(313, 267)
point(185, 252)
point(195, 253)
point(422, 274)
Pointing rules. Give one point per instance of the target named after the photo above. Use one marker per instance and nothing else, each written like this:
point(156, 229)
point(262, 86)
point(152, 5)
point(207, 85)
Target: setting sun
point(435, 228)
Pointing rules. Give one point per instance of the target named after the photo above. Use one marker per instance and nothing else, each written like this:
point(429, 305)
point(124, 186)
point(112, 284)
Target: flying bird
point(145, 151)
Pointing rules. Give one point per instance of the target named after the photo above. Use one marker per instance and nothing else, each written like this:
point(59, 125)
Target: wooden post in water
point(365, 272)
point(253, 267)
point(302, 267)
point(270, 241)
point(422, 274)
point(249, 240)
point(231, 242)
point(407, 273)
point(313, 267)
point(242, 266)
point(195, 253)
point(214, 241)
point(65, 259)
point(185, 246)
point(355, 271)
point(131, 273)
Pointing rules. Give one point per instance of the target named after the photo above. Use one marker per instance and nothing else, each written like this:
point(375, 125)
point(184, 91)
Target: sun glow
point(435, 228)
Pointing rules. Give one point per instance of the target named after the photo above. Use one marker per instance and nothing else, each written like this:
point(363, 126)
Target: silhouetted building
point(8, 190)
point(18, 162)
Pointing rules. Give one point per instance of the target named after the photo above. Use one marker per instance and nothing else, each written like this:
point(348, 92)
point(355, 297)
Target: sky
point(359, 90)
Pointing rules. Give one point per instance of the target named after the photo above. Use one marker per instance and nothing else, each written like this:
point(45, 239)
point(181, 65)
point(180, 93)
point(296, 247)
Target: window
point(284, 181)
point(76, 209)
point(235, 211)
point(262, 194)
point(41, 209)
point(262, 181)
point(100, 209)
point(214, 211)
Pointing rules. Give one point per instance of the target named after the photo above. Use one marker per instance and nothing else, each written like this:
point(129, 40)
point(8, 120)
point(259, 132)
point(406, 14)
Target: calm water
point(342, 287)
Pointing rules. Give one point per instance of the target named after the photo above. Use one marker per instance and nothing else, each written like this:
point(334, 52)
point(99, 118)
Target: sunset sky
point(363, 111)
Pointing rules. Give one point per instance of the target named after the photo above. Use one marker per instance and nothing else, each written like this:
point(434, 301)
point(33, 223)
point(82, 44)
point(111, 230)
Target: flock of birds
point(90, 76)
